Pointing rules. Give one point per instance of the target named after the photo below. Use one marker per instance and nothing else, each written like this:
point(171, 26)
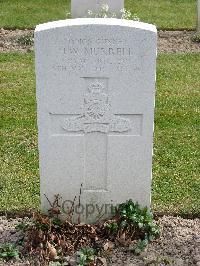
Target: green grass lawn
point(171, 14)
point(19, 182)
point(176, 182)
point(168, 14)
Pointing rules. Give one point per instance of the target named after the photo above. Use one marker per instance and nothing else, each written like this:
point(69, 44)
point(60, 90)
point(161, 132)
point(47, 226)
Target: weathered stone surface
point(79, 8)
point(95, 96)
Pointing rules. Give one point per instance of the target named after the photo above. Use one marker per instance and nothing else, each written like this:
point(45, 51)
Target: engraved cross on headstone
point(96, 121)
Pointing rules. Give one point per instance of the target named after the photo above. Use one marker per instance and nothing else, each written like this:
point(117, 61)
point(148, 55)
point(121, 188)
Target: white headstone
point(95, 96)
point(79, 8)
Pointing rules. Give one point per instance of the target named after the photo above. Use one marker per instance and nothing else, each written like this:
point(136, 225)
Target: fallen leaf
point(122, 239)
point(108, 245)
point(102, 261)
point(52, 251)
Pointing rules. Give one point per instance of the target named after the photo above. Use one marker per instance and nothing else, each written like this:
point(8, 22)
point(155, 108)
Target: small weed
point(112, 227)
point(24, 226)
point(8, 251)
point(26, 39)
point(140, 246)
point(56, 222)
point(165, 260)
point(85, 256)
point(196, 38)
point(160, 261)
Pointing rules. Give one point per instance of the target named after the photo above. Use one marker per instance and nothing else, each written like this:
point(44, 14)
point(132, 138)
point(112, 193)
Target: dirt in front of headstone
point(168, 41)
point(178, 244)
point(177, 42)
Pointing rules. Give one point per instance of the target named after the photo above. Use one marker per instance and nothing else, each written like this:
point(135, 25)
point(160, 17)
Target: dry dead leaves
point(49, 238)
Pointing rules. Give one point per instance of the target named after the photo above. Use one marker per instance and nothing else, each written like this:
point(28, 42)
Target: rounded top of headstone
point(96, 21)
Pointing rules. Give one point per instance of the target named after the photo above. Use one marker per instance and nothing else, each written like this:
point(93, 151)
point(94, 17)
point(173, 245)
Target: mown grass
point(170, 14)
point(29, 13)
point(19, 181)
point(176, 182)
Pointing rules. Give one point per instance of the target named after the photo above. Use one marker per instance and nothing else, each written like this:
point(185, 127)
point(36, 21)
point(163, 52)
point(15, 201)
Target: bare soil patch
point(16, 40)
point(178, 244)
point(177, 42)
point(168, 41)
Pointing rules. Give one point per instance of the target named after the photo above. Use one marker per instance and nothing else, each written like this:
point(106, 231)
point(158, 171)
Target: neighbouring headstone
point(79, 8)
point(95, 95)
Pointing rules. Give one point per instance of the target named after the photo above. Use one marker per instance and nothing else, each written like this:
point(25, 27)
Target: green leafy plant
point(85, 256)
point(56, 222)
point(132, 214)
point(8, 251)
point(140, 246)
point(136, 223)
point(112, 227)
point(24, 226)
